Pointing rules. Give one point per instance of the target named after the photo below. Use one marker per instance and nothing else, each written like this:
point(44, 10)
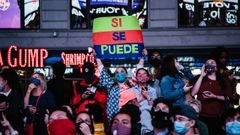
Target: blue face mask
point(233, 128)
point(120, 77)
point(179, 127)
point(36, 81)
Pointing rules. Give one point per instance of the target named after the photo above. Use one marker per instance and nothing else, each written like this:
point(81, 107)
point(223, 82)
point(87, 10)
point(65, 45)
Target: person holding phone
point(172, 85)
point(145, 96)
point(212, 90)
point(36, 101)
point(87, 90)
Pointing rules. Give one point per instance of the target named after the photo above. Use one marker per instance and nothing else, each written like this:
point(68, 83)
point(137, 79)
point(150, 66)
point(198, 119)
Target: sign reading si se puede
point(118, 37)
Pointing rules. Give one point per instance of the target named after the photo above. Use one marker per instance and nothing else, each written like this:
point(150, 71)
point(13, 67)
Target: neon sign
point(25, 57)
point(76, 59)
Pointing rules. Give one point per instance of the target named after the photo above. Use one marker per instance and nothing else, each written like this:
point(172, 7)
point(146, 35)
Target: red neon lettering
point(32, 56)
point(63, 58)
point(43, 55)
point(21, 58)
point(1, 60)
point(9, 56)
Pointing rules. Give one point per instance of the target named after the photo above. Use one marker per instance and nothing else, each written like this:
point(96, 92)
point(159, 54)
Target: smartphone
point(90, 49)
point(93, 89)
point(206, 93)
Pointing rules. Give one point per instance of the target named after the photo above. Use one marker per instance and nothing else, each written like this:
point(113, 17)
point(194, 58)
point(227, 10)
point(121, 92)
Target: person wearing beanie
point(87, 91)
point(185, 119)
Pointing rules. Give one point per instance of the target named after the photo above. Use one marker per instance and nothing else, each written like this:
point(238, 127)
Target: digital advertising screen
point(10, 14)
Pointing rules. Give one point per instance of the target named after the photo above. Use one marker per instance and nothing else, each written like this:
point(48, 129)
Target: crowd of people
point(163, 99)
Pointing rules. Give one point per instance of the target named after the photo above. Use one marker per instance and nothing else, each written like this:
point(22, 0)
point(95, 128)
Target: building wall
point(162, 32)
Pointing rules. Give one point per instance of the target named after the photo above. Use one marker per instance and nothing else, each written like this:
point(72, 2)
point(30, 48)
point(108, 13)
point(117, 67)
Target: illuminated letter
point(63, 57)
point(32, 56)
point(1, 61)
point(9, 56)
point(24, 58)
point(43, 55)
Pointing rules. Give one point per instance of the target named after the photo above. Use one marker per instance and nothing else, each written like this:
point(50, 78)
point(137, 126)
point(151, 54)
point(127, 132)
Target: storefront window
point(83, 12)
point(208, 13)
point(19, 14)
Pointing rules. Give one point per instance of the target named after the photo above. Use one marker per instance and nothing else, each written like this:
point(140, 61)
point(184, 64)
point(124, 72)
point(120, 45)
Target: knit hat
point(186, 110)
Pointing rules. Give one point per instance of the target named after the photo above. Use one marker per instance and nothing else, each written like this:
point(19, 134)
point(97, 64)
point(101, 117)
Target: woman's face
point(223, 58)
point(83, 117)
point(122, 119)
point(120, 69)
point(212, 63)
point(142, 76)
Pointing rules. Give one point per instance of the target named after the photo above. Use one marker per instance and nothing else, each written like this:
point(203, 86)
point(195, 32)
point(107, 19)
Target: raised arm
point(198, 83)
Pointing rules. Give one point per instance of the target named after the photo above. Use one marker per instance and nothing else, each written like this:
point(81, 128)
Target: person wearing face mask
point(11, 89)
point(84, 124)
point(88, 91)
point(172, 85)
point(37, 101)
point(161, 117)
point(61, 122)
point(197, 106)
point(155, 60)
point(185, 119)
point(145, 96)
point(121, 124)
point(231, 121)
point(212, 90)
point(119, 91)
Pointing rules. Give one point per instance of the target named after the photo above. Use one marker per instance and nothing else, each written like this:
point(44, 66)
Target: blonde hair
point(42, 79)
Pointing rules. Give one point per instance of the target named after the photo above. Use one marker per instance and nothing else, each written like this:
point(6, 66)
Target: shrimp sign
point(118, 37)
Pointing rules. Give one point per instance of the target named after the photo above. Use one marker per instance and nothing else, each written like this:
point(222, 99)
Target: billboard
point(10, 14)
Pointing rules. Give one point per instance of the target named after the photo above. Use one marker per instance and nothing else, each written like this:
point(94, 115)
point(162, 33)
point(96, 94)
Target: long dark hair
point(168, 67)
point(219, 77)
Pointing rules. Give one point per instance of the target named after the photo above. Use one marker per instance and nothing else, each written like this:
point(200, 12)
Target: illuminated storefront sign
point(25, 57)
point(117, 37)
point(76, 59)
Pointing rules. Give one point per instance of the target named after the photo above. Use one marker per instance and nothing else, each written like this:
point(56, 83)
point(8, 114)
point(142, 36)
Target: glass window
point(208, 13)
point(83, 12)
point(15, 16)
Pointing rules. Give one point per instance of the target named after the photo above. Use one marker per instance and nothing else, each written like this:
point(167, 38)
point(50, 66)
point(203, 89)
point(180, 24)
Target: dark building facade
point(163, 30)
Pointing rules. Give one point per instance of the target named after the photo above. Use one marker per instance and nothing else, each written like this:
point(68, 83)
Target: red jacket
point(100, 96)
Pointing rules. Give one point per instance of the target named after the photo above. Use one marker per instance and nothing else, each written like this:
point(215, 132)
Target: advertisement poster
point(102, 8)
point(10, 14)
point(117, 38)
point(218, 12)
